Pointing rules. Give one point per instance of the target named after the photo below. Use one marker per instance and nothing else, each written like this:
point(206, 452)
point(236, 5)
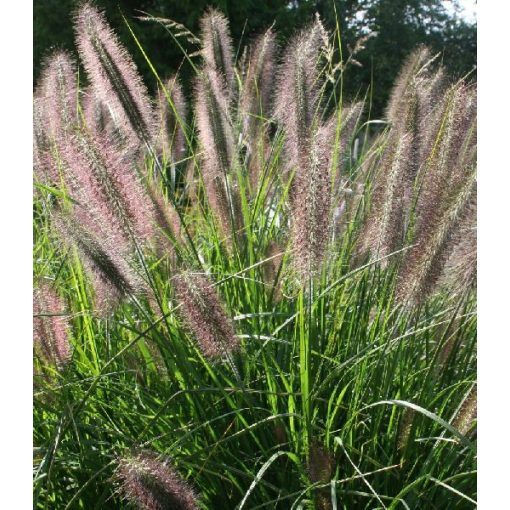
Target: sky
point(468, 9)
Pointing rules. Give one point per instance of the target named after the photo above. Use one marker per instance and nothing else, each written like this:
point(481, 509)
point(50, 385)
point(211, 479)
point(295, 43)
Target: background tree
point(400, 26)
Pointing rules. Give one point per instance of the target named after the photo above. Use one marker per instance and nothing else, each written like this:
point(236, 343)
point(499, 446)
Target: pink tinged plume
point(45, 166)
point(217, 140)
point(59, 91)
point(311, 207)
point(149, 483)
point(297, 96)
point(204, 314)
point(171, 141)
point(50, 327)
point(107, 263)
point(114, 77)
point(107, 188)
point(217, 47)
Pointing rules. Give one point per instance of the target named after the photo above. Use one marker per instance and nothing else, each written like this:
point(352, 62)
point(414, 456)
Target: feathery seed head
point(171, 140)
point(217, 46)
point(150, 483)
point(103, 181)
point(59, 92)
point(114, 77)
point(203, 313)
point(50, 327)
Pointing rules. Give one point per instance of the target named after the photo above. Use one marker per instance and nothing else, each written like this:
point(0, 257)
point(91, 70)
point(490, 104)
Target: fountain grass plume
point(51, 327)
point(171, 140)
point(45, 167)
point(311, 206)
point(258, 84)
point(297, 93)
point(466, 415)
point(383, 232)
point(217, 140)
point(148, 482)
point(204, 314)
point(404, 88)
point(424, 262)
point(217, 47)
point(97, 116)
point(114, 77)
point(59, 91)
point(108, 186)
point(108, 265)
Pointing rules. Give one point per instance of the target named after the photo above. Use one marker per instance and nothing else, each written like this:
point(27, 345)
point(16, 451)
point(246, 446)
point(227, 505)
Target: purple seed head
point(114, 77)
point(217, 47)
point(51, 327)
point(171, 139)
point(59, 92)
point(150, 483)
point(204, 314)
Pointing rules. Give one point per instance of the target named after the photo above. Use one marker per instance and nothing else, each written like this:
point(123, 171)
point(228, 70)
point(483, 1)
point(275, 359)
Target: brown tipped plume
point(103, 182)
point(321, 465)
point(255, 103)
point(384, 229)
point(401, 99)
point(203, 313)
point(59, 92)
point(466, 416)
point(45, 168)
point(97, 116)
point(447, 194)
point(106, 258)
point(258, 83)
point(171, 141)
point(459, 273)
point(217, 140)
point(297, 97)
point(50, 327)
point(114, 77)
point(308, 145)
point(217, 47)
point(149, 483)
point(311, 206)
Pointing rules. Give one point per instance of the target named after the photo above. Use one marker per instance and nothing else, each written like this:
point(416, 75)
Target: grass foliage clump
point(247, 295)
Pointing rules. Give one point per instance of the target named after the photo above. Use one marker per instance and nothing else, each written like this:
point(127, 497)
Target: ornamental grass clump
point(265, 282)
point(148, 482)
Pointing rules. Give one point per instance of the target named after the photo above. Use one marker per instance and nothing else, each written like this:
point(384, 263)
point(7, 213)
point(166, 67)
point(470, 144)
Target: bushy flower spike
point(50, 327)
point(297, 94)
point(384, 229)
point(217, 47)
point(217, 140)
point(150, 483)
point(45, 168)
point(466, 415)
point(167, 221)
point(405, 84)
point(424, 262)
point(171, 140)
point(114, 77)
point(59, 92)
point(460, 270)
point(311, 206)
point(447, 193)
point(107, 264)
point(258, 84)
point(97, 116)
point(204, 314)
point(106, 184)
